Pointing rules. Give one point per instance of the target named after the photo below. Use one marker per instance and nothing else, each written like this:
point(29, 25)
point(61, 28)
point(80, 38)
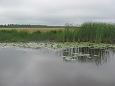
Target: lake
point(65, 67)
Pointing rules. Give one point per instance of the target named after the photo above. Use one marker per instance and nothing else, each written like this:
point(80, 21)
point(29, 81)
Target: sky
point(56, 12)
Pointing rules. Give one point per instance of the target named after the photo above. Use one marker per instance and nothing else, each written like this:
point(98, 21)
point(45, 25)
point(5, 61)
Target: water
point(66, 67)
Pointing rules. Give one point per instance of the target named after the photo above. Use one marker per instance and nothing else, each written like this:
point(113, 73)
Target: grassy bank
point(28, 36)
point(88, 32)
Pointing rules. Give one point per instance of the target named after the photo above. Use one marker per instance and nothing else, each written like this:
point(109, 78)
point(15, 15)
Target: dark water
point(67, 67)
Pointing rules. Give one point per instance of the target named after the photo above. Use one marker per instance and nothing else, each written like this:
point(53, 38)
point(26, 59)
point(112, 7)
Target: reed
point(97, 32)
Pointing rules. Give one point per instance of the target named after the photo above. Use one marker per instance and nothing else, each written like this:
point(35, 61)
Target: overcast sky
point(56, 12)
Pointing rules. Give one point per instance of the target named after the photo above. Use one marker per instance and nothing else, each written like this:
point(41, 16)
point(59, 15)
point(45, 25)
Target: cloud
point(56, 12)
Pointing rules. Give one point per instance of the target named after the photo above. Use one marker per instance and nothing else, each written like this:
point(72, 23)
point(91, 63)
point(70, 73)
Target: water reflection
point(86, 54)
point(42, 67)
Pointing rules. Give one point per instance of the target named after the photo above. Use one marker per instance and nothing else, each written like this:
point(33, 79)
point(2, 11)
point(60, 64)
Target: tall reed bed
point(97, 32)
point(70, 33)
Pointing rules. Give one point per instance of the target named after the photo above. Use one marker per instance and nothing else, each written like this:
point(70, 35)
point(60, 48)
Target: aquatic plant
point(97, 32)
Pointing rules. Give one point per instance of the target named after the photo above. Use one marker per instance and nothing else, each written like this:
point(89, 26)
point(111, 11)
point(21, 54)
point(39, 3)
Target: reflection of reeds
point(85, 54)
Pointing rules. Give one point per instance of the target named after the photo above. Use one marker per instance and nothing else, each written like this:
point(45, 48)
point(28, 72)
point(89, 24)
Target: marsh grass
point(25, 36)
point(87, 32)
point(97, 32)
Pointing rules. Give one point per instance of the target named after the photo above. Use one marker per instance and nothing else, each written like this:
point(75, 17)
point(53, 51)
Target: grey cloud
point(56, 12)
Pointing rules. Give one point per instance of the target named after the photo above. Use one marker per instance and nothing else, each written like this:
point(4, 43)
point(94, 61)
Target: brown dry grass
point(31, 30)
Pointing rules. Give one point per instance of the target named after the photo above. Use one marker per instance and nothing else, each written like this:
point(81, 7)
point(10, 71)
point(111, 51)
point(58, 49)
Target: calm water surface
point(66, 67)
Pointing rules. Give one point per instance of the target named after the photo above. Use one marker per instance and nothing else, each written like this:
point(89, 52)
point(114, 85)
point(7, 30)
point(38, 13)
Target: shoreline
point(55, 45)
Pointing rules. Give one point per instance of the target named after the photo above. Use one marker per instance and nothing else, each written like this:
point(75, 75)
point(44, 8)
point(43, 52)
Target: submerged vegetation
point(87, 32)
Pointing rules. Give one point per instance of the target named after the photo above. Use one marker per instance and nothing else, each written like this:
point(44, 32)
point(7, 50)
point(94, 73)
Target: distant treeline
point(28, 26)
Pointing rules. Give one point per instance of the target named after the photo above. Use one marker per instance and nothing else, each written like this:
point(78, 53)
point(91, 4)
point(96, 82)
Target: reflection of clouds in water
point(31, 73)
point(14, 74)
point(39, 68)
point(27, 77)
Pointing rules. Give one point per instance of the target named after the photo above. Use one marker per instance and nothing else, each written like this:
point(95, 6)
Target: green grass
point(87, 32)
point(24, 36)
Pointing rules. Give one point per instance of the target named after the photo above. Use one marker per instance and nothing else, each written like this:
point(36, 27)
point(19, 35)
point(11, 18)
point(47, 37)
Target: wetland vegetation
point(37, 53)
point(87, 32)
